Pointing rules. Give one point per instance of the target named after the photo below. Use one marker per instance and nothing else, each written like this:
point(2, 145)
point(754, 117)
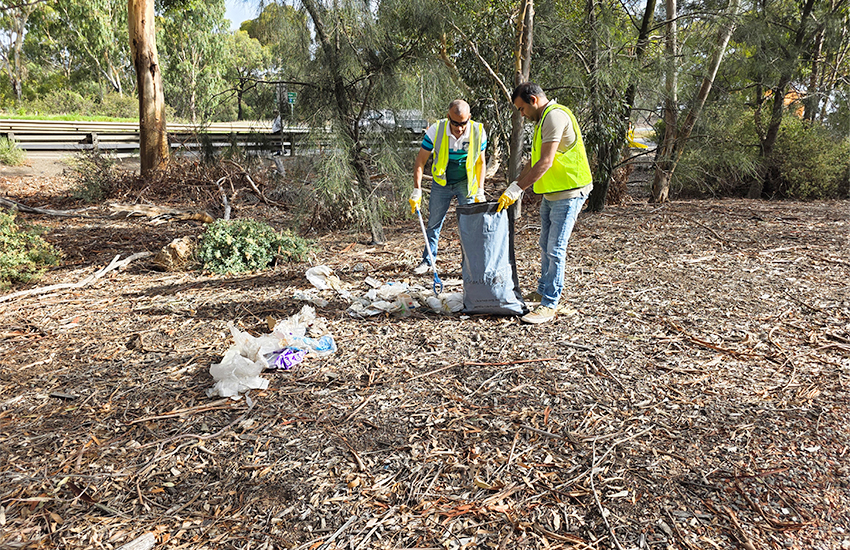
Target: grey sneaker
point(541, 314)
point(423, 268)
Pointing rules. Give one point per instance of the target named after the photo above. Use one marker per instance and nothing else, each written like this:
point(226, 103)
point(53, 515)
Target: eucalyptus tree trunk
point(596, 200)
point(153, 136)
point(664, 155)
point(17, 16)
point(679, 138)
point(522, 71)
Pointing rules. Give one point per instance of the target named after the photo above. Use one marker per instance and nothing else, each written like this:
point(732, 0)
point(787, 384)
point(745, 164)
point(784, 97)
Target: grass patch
point(10, 154)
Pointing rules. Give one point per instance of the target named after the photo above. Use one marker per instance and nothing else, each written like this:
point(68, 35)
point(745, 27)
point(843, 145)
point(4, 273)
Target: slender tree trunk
point(522, 71)
point(153, 136)
point(682, 134)
point(664, 155)
point(812, 101)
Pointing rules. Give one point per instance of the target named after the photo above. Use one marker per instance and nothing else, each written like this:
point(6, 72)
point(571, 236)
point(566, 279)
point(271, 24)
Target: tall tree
point(153, 135)
point(675, 137)
point(246, 62)
point(93, 29)
point(193, 56)
point(360, 50)
point(14, 15)
point(609, 154)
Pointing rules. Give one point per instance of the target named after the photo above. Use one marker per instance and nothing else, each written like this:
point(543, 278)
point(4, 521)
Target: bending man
point(457, 145)
point(559, 171)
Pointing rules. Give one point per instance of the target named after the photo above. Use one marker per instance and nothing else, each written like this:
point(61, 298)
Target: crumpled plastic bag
point(446, 302)
point(240, 368)
point(305, 331)
point(323, 278)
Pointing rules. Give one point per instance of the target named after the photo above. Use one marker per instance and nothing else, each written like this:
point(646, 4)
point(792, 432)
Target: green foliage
point(10, 155)
point(24, 254)
point(93, 174)
point(810, 162)
point(236, 246)
point(63, 104)
point(722, 157)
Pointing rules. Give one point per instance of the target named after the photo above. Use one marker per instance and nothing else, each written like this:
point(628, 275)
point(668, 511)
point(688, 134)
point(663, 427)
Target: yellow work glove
point(510, 196)
point(415, 199)
point(479, 195)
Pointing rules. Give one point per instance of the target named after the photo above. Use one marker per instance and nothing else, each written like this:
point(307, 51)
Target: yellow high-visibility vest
point(570, 168)
point(473, 158)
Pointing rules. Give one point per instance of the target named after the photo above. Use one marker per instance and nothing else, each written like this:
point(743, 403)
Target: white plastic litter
point(305, 331)
point(240, 368)
point(310, 296)
point(242, 364)
point(400, 298)
point(323, 278)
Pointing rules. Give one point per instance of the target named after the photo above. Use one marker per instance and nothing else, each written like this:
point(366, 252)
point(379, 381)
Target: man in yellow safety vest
point(457, 144)
point(559, 171)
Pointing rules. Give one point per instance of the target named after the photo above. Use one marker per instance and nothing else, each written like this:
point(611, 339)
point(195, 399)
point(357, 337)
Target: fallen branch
point(46, 211)
point(114, 264)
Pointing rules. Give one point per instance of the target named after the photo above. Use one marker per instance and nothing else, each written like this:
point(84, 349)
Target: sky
point(239, 11)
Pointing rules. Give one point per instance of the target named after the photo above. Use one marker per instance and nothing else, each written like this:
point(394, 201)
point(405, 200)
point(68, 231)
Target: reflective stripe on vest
point(473, 156)
point(570, 169)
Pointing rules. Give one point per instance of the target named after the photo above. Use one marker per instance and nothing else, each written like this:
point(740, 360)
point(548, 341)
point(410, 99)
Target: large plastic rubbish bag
point(490, 282)
point(240, 368)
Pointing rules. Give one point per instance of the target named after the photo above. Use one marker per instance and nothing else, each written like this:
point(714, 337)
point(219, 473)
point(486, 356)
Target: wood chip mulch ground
point(693, 396)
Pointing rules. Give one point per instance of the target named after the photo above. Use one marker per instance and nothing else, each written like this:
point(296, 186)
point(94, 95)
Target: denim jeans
point(438, 206)
point(557, 219)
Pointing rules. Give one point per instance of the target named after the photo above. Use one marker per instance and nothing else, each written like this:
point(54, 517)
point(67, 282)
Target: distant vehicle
point(381, 120)
point(385, 120)
point(412, 120)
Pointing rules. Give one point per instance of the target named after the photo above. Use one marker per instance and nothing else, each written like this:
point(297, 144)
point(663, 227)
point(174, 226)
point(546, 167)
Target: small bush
point(810, 162)
point(24, 255)
point(94, 175)
point(10, 155)
point(236, 246)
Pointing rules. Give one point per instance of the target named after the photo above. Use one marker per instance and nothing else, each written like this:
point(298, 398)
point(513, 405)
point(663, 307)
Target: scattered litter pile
point(290, 342)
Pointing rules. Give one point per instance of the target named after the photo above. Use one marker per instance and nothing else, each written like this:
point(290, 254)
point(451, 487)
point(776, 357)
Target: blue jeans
point(557, 219)
point(438, 206)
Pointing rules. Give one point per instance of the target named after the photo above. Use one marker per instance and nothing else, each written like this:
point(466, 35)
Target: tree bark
point(673, 150)
point(664, 155)
point(153, 136)
point(522, 72)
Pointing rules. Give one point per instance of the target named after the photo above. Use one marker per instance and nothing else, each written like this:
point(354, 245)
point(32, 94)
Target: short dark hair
point(527, 89)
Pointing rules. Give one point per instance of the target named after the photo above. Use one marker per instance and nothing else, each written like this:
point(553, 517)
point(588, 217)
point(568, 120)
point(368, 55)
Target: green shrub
point(236, 246)
point(93, 174)
point(10, 155)
point(24, 255)
point(811, 163)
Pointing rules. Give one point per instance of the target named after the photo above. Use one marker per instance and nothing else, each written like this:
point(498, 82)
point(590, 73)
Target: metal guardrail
point(123, 137)
point(39, 135)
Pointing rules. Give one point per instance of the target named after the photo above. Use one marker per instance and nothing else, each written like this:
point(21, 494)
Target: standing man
point(457, 145)
point(559, 171)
